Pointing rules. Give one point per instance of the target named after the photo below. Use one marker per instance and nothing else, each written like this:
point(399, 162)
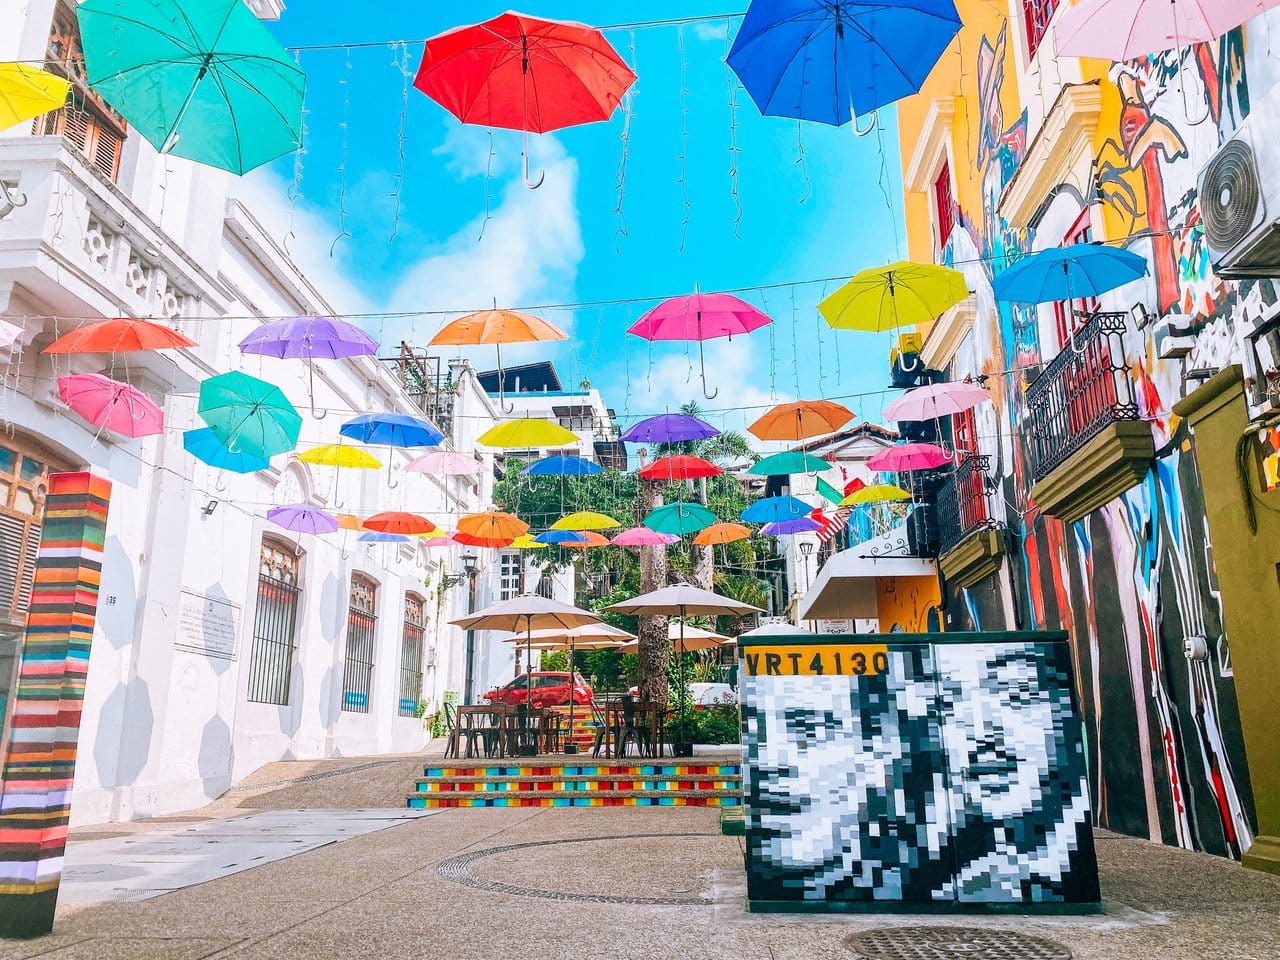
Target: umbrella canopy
point(336, 455)
point(787, 528)
point(396, 521)
point(204, 445)
point(122, 335)
point(560, 537)
point(695, 638)
point(790, 462)
point(823, 61)
point(526, 612)
point(1067, 273)
point(589, 540)
point(776, 630)
point(526, 542)
point(719, 533)
point(776, 510)
point(801, 420)
point(9, 334)
point(111, 405)
point(876, 493)
point(493, 525)
point(670, 428)
point(906, 457)
point(391, 430)
point(900, 295)
point(301, 518)
point(679, 468)
point(643, 537)
point(683, 600)
point(249, 415)
point(679, 518)
point(492, 543)
point(348, 521)
point(588, 636)
point(309, 338)
point(586, 520)
point(562, 466)
point(936, 400)
point(374, 536)
point(496, 327)
point(527, 432)
point(1131, 29)
point(434, 543)
point(445, 463)
point(203, 81)
point(26, 92)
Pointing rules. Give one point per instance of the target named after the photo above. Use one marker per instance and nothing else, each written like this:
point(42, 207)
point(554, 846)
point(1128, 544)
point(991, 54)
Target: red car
point(549, 689)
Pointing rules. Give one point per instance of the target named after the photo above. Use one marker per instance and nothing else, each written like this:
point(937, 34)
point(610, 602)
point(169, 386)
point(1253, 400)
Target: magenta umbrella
point(111, 405)
point(1129, 29)
point(936, 400)
point(643, 537)
point(700, 317)
point(909, 456)
point(446, 463)
point(301, 518)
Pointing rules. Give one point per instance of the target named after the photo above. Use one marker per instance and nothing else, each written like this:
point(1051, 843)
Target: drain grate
point(953, 943)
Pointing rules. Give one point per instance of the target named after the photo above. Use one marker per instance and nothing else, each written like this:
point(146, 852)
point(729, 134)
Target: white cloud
point(715, 30)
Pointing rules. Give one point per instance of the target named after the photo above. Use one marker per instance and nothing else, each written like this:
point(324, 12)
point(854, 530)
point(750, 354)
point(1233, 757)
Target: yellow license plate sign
point(811, 660)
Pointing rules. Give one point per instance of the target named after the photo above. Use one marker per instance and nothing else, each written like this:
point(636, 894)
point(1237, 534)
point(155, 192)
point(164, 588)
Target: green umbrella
point(679, 518)
point(205, 81)
point(789, 463)
point(249, 415)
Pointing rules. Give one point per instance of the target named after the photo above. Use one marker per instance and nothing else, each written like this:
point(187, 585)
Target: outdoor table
point(479, 721)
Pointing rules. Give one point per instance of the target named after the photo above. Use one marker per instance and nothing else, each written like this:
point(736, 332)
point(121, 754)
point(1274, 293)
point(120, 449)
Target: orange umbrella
point(347, 521)
point(394, 521)
point(801, 420)
point(494, 525)
point(119, 336)
point(593, 539)
point(468, 540)
point(496, 327)
point(719, 533)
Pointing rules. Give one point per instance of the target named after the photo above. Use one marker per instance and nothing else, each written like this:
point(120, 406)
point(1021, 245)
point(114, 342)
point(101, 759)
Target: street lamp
point(806, 548)
point(470, 567)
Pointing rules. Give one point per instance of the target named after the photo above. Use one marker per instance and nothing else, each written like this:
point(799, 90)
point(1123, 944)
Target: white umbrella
point(778, 630)
point(695, 638)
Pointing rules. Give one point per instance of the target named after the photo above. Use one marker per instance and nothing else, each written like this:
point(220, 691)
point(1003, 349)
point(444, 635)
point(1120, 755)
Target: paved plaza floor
point(542, 883)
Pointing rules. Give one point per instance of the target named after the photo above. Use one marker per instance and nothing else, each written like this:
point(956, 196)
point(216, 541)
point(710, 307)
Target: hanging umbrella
point(204, 445)
point(121, 335)
point(776, 510)
point(585, 521)
point(1122, 30)
point(876, 493)
point(827, 61)
point(787, 528)
point(347, 521)
point(397, 521)
point(527, 433)
point(643, 537)
point(301, 518)
point(801, 420)
point(9, 334)
point(203, 81)
point(935, 401)
point(1067, 273)
point(391, 430)
point(590, 539)
point(493, 525)
point(790, 462)
point(720, 533)
point(526, 542)
point(26, 92)
point(111, 405)
point(562, 466)
point(310, 339)
point(336, 455)
point(679, 468)
point(560, 537)
point(900, 295)
point(497, 327)
point(373, 536)
point(679, 518)
point(523, 73)
point(669, 428)
point(906, 457)
point(492, 543)
point(249, 415)
point(445, 463)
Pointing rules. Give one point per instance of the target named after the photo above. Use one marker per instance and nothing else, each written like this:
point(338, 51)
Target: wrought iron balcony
point(1084, 389)
point(964, 503)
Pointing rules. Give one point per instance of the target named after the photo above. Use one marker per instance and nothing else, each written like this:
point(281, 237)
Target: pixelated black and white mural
point(915, 772)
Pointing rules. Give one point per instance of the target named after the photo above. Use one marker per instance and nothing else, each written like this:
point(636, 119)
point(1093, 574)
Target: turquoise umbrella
point(204, 445)
point(205, 81)
point(249, 415)
point(788, 463)
point(679, 518)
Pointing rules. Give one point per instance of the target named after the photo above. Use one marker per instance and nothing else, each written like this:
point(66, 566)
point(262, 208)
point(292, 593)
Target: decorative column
point(40, 760)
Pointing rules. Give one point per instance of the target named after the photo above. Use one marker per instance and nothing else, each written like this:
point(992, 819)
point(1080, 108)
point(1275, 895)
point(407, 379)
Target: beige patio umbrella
point(695, 638)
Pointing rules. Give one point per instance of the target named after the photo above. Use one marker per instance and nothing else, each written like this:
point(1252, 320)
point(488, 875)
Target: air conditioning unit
point(1240, 197)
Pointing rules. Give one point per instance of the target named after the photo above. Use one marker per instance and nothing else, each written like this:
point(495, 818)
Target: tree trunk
point(706, 566)
point(655, 650)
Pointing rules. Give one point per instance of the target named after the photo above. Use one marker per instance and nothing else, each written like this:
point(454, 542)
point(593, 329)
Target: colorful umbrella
point(719, 533)
point(906, 457)
point(790, 462)
point(9, 334)
point(205, 446)
point(560, 537)
point(900, 295)
point(122, 335)
point(336, 455)
point(493, 525)
point(496, 327)
point(1067, 273)
point(801, 420)
point(111, 405)
point(397, 521)
point(249, 415)
point(585, 521)
point(526, 542)
point(26, 92)
point(445, 463)
point(776, 510)
point(562, 466)
point(524, 73)
point(643, 537)
point(309, 339)
point(1122, 30)
point(787, 528)
point(391, 430)
point(527, 433)
point(936, 400)
point(876, 493)
point(203, 81)
point(679, 518)
point(700, 317)
point(589, 539)
point(376, 537)
point(669, 428)
point(471, 540)
point(679, 468)
point(301, 518)
point(823, 61)
point(347, 521)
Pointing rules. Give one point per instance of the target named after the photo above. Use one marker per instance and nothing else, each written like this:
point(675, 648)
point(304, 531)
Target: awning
point(845, 587)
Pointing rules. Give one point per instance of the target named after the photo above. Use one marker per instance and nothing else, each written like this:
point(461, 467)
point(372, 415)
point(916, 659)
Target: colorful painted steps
point(585, 727)
point(431, 802)
point(570, 784)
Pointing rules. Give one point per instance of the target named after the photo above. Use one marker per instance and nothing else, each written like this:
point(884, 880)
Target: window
point(362, 628)
point(411, 655)
point(1036, 15)
point(274, 623)
point(86, 121)
point(964, 433)
point(24, 480)
point(509, 576)
point(944, 204)
point(1069, 318)
point(970, 483)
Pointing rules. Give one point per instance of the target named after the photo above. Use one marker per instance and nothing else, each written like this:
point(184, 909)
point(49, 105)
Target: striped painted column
point(40, 761)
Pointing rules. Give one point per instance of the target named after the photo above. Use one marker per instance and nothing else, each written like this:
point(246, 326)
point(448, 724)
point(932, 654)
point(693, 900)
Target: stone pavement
point(619, 883)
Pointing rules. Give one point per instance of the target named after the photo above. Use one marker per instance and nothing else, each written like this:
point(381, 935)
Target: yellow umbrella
point(526, 542)
point(877, 493)
point(27, 92)
point(337, 455)
point(586, 521)
point(900, 295)
point(527, 433)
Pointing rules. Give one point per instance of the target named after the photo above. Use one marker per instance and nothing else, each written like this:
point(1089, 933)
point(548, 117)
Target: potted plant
point(681, 733)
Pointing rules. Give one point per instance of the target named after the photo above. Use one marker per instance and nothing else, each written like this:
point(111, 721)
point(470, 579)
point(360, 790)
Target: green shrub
point(719, 724)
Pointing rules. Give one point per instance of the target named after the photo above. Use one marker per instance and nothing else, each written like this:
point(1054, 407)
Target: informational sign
point(208, 625)
point(836, 626)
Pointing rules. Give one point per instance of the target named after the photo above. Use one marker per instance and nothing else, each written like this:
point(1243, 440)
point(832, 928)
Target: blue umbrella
point(560, 537)
point(374, 537)
point(1068, 273)
point(562, 466)
point(204, 445)
point(776, 510)
point(826, 60)
point(391, 430)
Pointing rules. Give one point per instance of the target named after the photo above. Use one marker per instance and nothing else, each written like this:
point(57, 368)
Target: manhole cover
point(953, 943)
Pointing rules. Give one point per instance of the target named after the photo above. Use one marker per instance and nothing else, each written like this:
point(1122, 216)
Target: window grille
point(274, 623)
point(362, 628)
point(411, 655)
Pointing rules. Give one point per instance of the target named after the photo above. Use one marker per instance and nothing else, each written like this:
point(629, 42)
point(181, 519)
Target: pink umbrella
point(446, 463)
point(909, 456)
point(111, 405)
point(1129, 29)
point(301, 518)
point(936, 400)
point(700, 317)
point(445, 541)
point(643, 537)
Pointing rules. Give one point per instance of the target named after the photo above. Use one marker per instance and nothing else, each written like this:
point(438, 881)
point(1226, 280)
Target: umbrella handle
point(915, 365)
point(311, 388)
point(542, 174)
point(871, 127)
point(702, 361)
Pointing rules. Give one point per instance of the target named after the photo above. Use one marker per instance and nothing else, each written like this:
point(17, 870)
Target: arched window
point(362, 632)
point(24, 480)
point(275, 622)
point(411, 655)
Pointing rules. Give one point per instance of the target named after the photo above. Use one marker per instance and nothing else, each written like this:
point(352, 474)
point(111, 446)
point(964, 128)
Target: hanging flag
point(832, 525)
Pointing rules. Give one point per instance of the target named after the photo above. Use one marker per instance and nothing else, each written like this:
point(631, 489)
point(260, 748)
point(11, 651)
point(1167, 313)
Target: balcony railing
point(1085, 389)
point(964, 503)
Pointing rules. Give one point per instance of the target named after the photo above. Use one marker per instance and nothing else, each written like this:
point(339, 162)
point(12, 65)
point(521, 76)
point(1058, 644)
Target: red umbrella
point(679, 468)
point(405, 524)
point(111, 405)
point(119, 336)
point(524, 73)
point(471, 540)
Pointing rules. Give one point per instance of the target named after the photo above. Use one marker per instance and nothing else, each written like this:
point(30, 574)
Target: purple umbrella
point(310, 338)
point(785, 527)
point(670, 428)
point(301, 518)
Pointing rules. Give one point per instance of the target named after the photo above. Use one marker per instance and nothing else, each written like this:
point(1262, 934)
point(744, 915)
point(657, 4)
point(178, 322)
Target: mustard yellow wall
point(904, 603)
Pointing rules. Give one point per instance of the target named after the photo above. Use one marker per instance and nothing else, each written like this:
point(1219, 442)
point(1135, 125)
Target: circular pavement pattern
point(952, 943)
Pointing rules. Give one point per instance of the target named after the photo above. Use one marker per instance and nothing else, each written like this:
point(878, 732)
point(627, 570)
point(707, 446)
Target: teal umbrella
point(205, 81)
point(789, 463)
point(249, 415)
point(679, 518)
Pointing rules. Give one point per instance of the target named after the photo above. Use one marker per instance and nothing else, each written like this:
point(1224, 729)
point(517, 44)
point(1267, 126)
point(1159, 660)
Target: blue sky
point(564, 243)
